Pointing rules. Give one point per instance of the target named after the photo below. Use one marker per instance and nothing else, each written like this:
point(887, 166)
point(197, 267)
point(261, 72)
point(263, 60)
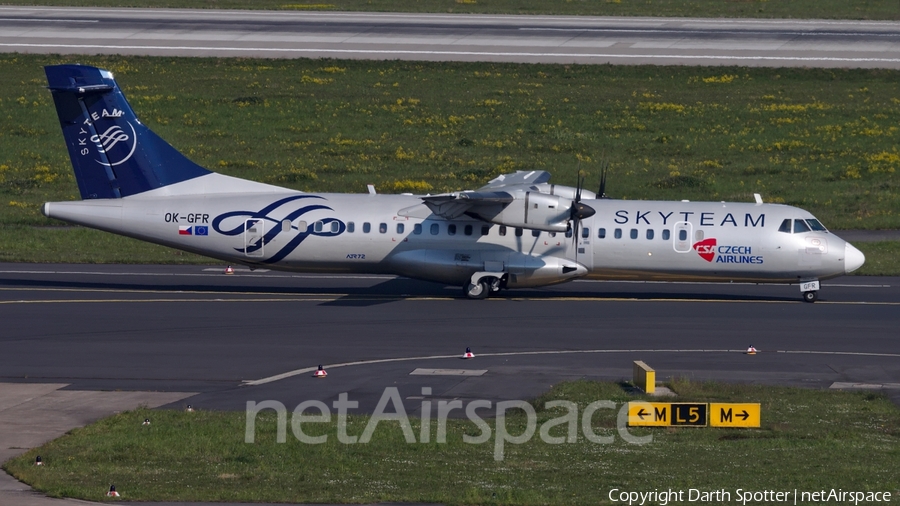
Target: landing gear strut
point(810, 296)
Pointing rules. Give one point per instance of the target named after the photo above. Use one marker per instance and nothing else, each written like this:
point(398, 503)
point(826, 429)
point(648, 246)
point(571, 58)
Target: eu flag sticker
point(201, 230)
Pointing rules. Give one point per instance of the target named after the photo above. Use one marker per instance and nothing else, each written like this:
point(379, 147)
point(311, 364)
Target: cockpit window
point(785, 226)
point(800, 226)
point(815, 225)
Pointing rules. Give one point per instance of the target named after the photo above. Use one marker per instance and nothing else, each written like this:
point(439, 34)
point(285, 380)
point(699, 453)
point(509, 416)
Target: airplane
point(517, 231)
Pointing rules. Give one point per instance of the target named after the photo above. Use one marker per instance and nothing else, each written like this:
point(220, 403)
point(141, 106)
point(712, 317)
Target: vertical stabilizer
point(114, 155)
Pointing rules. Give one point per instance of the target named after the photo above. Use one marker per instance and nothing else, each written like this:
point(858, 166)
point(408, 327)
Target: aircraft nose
point(853, 258)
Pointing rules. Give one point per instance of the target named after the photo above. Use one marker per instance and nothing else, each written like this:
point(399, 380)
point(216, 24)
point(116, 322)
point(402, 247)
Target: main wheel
point(810, 296)
point(478, 290)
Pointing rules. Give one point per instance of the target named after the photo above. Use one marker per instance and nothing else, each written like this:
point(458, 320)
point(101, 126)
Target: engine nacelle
point(534, 210)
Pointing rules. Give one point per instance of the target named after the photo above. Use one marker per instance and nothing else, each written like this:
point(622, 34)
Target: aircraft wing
point(517, 178)
point(453, 205)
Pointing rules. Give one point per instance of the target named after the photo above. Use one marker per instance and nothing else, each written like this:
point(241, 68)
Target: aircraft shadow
point(397, 289)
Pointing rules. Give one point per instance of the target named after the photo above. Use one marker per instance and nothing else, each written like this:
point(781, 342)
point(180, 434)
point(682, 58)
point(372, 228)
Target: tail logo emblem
point(114, 135)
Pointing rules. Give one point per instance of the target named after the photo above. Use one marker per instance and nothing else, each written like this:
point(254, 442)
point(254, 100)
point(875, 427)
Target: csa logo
point(706, 249)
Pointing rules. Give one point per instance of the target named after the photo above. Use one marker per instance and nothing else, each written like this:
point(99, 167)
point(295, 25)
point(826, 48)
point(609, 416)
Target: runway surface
point(445, 37)
point(256, 336)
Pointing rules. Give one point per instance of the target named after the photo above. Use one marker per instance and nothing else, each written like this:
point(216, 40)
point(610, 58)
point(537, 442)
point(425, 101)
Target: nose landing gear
point(810, 290)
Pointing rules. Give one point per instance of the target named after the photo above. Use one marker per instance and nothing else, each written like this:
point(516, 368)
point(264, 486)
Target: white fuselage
point(640, 240)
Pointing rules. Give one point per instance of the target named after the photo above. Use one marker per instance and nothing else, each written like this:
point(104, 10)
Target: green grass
point(807, 9)
point(822, 139)
point(809, 440)
point(882, 258)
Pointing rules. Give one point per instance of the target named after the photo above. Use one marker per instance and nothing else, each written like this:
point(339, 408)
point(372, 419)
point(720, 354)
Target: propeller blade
point(603, 169)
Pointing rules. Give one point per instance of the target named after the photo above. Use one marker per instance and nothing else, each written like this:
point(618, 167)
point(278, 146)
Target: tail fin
point(114, 155)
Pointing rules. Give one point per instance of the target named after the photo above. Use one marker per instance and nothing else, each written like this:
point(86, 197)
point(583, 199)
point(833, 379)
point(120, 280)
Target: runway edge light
point(112, 492)
point(146, 421)
point(468, 353)
point(38, 461)
point(320, 372)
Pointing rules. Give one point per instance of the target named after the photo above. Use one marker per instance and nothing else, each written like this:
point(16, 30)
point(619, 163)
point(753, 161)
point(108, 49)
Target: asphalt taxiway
point(451, 37)
point(256, 336)
point(83, 341)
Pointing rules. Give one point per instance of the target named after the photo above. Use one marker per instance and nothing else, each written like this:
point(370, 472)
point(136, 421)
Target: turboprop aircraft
point(517, 231)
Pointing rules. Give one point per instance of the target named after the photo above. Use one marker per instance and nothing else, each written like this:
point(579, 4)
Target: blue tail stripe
point(113, 154)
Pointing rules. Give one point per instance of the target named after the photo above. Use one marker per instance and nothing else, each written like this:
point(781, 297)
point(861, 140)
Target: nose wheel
point(810, 296)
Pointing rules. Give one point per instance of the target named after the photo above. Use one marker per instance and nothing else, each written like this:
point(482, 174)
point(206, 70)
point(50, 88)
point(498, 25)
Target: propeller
point(578, 212)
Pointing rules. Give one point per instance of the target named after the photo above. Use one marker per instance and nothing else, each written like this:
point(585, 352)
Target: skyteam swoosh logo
point(239, 220)
point(106, 143)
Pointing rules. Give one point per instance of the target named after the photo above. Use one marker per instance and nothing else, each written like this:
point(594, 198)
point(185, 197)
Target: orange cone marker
point(751, 350)
point(112, 492)
point(229, 270)
point(320, 372)
point(468, 353)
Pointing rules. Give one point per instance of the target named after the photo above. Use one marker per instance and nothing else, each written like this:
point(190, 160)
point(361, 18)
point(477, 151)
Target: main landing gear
point(481, 287)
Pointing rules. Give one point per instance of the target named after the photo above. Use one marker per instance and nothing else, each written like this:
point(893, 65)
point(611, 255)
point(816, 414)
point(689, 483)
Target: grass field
point(809, 440)
point(806, 9)
point(824, 140)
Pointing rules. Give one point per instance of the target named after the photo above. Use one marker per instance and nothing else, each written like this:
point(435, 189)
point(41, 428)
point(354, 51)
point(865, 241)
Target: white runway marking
point(448, 372)
point(45, 20)
point(309, 370)
point(400, 52)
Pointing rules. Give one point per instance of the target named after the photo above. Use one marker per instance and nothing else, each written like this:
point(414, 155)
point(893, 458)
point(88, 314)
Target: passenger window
point(400, 228)
point(785, 226)
point(585, 233)
point(351, 227)
point(485, 229)
point(382, 228)
point(519, 232)
point(451, 229)
point(417, 228)
point(502, 230)
point(815, 225)
point(302, 226)
point(634, 233)
point(618, 233)
point(666, 235)
point(435, 229)
point(682, 235)
point(601, 233)
point(800, 226)
point(285, 225)
point(335, 227)
point(318, 226)
point(367, 227)
point(468, 230)
point(649, 234)
point(535, 233)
